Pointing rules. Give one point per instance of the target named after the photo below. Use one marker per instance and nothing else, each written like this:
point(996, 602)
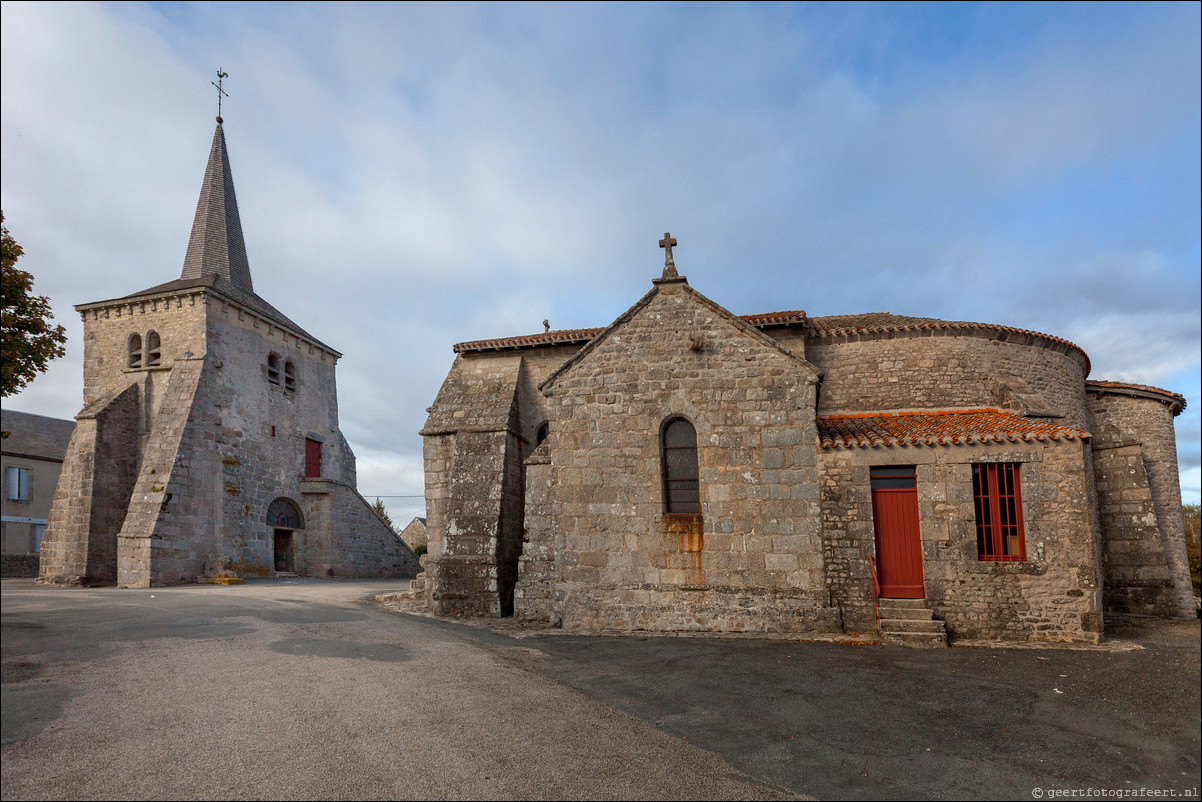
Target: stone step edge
point(901, 625)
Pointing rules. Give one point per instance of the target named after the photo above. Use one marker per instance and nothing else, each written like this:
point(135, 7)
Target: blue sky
point(411, 176)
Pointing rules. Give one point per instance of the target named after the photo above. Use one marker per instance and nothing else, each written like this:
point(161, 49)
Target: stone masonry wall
point(1053, 596)
point(948, 373)
point(601, 553)
point(1139, 494)
point(170, 526)
point(226, 442)
point(472, 449)
point(259, 430)
point(180, 324)
point(847, 538)
point(1136, 573)
point(99, 469)
point(356, 542)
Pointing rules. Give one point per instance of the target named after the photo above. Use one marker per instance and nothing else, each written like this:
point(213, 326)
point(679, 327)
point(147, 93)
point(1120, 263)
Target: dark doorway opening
point(284, 562)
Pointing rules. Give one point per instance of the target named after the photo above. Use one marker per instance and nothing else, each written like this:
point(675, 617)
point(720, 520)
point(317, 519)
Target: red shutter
point(312, 459)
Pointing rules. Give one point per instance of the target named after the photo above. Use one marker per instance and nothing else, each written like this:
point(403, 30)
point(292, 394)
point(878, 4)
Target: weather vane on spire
point(221, 76)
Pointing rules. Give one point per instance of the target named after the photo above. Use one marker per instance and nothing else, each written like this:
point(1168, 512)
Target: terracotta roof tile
point(581, 336)
point(884, 322)
point(957, 427)
point(1175, 399)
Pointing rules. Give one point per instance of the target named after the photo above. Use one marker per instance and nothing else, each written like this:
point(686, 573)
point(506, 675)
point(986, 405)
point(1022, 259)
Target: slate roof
point(216, 258)
point(216, 244)
point(1175, 399)
point(35, 435)
point(222, 286)
point(952, 427)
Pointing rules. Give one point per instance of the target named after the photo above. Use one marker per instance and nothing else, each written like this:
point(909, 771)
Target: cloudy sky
point(411, 176)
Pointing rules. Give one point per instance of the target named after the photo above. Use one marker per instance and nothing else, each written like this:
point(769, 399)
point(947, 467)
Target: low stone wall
point(360, 543)
point(14, 566)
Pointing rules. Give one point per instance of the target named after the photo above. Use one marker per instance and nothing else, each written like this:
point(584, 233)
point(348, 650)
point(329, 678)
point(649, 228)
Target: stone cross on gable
point(669, 265)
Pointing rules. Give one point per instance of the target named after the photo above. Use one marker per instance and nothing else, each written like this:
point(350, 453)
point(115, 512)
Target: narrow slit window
point(273, 369)
point(289, 376)
point(682, 489)
point(135, 351)
point(998, 504)
point(154, 349)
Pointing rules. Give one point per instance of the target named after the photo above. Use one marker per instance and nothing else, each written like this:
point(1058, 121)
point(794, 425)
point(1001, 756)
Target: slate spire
point(216, 244)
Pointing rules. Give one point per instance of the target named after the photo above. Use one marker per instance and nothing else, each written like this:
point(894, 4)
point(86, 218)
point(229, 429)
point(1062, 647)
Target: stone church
point(686, 468)
point(208, 441)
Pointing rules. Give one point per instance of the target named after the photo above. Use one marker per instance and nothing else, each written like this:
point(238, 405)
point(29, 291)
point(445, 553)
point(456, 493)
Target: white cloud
point(410, 176)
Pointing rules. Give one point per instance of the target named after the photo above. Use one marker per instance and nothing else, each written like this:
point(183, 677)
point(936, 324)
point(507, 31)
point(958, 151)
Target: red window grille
point(312, 459)
point(999, 511)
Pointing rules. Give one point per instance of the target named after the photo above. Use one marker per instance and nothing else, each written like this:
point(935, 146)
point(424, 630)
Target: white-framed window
point(17, 482)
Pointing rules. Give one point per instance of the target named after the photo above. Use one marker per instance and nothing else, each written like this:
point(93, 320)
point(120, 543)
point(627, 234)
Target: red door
point(312, 459)
point(895, 522)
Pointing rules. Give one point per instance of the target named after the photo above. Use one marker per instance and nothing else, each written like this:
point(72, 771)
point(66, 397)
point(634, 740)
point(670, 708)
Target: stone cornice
point(943, 328)
point(191, 297)
point(1175, 402)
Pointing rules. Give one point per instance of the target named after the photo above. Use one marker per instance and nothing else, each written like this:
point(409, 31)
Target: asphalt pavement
point(305, 688)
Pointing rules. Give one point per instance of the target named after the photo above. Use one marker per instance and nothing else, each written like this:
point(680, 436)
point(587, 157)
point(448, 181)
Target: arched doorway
point(284, 519)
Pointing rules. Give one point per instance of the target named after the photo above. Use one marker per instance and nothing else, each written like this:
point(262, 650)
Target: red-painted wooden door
point(312, 459)
point(895, 521)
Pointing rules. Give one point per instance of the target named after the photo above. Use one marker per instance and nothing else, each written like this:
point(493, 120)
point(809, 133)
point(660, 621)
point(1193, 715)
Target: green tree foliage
point(1193, 544)
point(383, 513)
point(29, 339)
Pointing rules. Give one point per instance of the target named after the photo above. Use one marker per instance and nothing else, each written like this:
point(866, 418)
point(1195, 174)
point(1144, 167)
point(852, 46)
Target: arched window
point(284, 514)
point(544, 429)
point(154, 351)
point(682, 493)
point(289, 376)
point(273, 368)
point(135, 350)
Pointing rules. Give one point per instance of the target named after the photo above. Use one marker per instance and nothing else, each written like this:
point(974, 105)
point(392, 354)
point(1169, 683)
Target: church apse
point(793, 417)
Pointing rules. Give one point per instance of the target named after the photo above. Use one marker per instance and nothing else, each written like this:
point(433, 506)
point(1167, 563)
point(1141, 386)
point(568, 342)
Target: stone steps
point(908, 622)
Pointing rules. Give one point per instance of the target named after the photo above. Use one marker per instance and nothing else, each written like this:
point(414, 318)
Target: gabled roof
point(216, 244)
point(952, 427)
point(35, 435)
point(717, 309)
point(582, 336)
